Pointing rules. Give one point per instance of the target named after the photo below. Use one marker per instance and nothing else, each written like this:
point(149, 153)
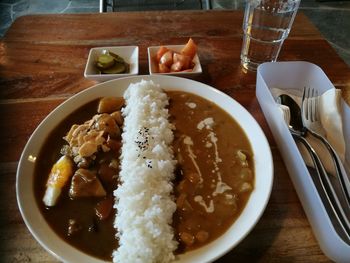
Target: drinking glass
point(266, 25)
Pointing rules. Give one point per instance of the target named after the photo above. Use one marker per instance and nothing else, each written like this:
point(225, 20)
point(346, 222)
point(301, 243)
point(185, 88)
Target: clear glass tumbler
point(266, 25)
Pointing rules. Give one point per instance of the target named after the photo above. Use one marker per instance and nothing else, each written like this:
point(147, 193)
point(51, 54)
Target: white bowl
point(129, 53)
point(152, 66)
point(240, 228)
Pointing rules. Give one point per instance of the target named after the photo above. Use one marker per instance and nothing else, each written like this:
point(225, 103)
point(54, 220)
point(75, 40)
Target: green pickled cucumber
point(99, 66)
point(111, 63)
point(116, 57)
point(105, 61)
point(117, 68)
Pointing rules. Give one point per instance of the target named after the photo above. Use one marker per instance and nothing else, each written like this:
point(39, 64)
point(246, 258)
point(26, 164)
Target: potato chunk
point(110, 104)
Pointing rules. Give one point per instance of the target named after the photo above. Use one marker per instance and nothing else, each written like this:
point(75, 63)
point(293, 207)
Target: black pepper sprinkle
point(142, 140)
point(149, 164)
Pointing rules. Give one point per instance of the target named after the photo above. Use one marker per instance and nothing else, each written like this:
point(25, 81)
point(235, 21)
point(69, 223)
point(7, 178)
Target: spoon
point(298, 132)
point(296, 122)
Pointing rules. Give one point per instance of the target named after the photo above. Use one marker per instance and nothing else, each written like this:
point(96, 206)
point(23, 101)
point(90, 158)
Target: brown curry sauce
point(199, 221)
point(194, 226)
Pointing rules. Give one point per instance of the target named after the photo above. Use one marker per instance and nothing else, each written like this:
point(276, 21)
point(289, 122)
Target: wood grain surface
point(42, 59)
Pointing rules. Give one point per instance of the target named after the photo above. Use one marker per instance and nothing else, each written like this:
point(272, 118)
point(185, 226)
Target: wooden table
point(42, 59)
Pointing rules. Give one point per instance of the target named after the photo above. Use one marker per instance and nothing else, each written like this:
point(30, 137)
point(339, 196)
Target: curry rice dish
point(145, 177)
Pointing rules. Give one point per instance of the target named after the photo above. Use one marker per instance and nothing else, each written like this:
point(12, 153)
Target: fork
point(310, 118)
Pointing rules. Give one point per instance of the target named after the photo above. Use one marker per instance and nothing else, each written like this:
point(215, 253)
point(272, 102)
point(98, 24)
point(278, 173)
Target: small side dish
point(169, 60)
point(174, 59)
point(106, 63)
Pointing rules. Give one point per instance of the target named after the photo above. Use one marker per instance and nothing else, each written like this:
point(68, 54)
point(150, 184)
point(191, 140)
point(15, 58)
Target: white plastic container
point(296, 75)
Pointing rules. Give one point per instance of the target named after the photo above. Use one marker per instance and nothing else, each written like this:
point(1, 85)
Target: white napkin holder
point(295, 76)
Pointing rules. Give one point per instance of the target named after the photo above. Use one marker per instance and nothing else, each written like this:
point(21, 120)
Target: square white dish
point(152, 66)
point(295, 76)
point(129, 53)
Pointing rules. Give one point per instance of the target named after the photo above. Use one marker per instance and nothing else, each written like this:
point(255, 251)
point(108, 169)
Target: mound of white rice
point(144, 201)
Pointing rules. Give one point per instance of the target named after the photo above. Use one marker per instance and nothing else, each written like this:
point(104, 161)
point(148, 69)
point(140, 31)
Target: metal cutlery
point(311, 121)
point(291, 114)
